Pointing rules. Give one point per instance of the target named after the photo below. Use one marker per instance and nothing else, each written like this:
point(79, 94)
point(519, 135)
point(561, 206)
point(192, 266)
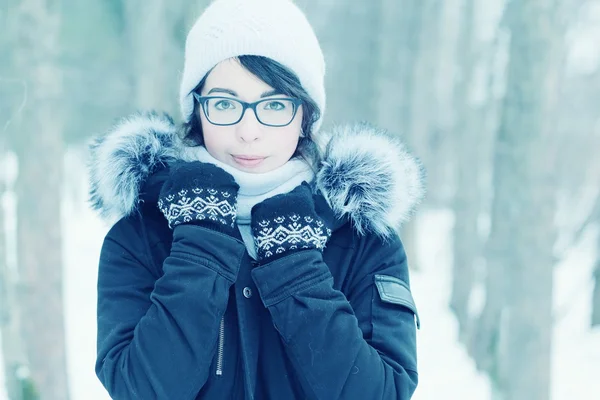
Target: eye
point(224, 105)
point(275, 105)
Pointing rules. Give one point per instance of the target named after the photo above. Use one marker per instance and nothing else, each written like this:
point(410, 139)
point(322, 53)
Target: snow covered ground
point(446, 372)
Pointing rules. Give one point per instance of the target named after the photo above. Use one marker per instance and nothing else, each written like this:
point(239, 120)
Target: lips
point(247, 161)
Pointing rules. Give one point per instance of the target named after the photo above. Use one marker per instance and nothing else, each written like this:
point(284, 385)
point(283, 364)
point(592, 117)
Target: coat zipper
point(220, 347)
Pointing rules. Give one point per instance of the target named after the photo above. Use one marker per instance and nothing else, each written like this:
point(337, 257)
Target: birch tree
point(467, 198)
point(15, 362)
point(38, 188)
point(522, 234)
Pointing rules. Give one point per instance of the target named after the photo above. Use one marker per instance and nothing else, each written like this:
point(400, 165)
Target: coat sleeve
point(157, 335)
point(358, 347)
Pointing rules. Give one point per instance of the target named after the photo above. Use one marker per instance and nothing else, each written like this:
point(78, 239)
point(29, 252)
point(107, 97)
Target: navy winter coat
point(187, 314)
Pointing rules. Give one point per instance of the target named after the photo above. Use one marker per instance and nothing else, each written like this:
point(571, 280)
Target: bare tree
point(350, 52)
point(38, 188)
point(400, 43)
point(580, 140)
point(14, 359)
point(152, 37)
point(475, 108)
point(424, 121)
point(468, 192)
point(400, 31)
point(596, 295)
point(595, 317)
point(15, 362)
point(516, 325)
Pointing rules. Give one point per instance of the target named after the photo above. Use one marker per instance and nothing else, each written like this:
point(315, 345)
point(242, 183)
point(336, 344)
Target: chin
point(255, 170)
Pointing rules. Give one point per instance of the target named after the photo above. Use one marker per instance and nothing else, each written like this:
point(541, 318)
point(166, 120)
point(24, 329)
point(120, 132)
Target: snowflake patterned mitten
point(288, 223)
point(202, 194)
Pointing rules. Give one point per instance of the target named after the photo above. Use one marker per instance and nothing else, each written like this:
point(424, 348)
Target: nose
point(249, 129)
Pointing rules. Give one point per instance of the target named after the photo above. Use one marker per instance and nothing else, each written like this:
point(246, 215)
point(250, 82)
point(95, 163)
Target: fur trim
point(121, 161)
point(367, 175)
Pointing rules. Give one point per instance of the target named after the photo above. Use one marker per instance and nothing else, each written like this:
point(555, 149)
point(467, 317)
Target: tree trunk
point(14, 359)
point(422, 103)
point(351, 56)
point(38, 189)
point(425, 103)
point(400, 40)
point(596, 293)
point(483, 332)
point(467, 203)
point(523, 234)
point(155, 55)
point(426, 70)
point(12, 349)
point(399, 30)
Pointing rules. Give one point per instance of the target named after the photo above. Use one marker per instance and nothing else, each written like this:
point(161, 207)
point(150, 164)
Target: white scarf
point(254, 188)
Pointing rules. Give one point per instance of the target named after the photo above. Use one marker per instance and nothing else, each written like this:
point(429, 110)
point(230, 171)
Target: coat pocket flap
point(395, 291)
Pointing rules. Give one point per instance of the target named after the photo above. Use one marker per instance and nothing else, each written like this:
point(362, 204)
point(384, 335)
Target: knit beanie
point(276, 29)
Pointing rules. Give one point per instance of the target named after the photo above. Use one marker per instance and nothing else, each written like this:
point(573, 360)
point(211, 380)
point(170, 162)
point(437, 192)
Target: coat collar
point(366, 175)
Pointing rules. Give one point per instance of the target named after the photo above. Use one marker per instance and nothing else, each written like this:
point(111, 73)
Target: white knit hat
point(276, 29)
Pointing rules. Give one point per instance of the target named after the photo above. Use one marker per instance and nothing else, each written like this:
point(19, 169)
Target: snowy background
point(102, 83)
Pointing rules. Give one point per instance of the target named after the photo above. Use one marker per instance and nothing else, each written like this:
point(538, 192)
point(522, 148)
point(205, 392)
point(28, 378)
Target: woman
point(248, 261)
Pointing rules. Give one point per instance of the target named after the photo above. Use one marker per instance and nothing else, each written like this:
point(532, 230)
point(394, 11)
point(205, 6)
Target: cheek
point(210, 135)
point(287, 141)
point(210, 143)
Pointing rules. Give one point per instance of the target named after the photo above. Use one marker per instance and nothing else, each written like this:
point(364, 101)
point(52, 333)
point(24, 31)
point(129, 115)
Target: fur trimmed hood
point(366, 174)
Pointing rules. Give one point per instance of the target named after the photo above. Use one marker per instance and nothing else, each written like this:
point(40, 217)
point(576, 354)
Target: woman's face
point(248, 145)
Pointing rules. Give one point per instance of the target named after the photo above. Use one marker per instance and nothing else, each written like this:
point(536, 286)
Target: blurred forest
point(500, 100)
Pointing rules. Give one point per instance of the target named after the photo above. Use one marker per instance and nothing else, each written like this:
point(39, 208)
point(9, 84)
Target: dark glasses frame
point(203, 99)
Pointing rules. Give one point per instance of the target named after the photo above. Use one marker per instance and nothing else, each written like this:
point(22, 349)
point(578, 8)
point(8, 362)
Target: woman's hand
point(286, 223)
point(199, 193)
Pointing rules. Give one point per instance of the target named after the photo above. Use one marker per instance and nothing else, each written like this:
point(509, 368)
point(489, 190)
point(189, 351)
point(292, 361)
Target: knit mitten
point(287, 223)
point(199, 193)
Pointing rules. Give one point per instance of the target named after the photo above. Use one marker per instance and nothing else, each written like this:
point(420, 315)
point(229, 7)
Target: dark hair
point(281, 79)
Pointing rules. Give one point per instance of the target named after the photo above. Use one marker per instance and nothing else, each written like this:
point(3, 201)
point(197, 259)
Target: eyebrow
point(233, 93)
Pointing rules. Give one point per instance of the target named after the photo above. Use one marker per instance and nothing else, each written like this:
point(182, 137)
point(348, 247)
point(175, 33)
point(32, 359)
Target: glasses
point(224, 111)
